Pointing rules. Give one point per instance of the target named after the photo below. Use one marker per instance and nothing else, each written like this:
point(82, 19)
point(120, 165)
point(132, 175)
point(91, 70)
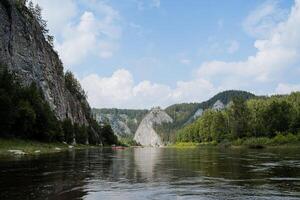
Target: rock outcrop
point(218, 105)
point(124, 122)
point(118, 124)
point(24, 50)
point(145, 134)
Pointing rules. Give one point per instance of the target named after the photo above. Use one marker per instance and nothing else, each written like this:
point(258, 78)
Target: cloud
point(57, 17)
point(261, 21)
point(120, 90)
point(96, 33)
point(78, 40)
point(233, 47)
point(275, 54)
point(285, 88)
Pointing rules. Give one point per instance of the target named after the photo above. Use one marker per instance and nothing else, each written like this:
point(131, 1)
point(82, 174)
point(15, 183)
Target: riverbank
point(251, 142)
point(28, 147)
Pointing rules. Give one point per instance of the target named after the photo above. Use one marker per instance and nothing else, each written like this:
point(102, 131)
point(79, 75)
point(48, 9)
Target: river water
point(154, 173)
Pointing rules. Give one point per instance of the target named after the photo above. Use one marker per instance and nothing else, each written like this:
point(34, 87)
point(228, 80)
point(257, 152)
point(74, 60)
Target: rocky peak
point(145, 134)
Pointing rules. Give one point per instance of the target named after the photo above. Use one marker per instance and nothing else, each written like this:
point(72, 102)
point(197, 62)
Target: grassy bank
point(192, 144)
point(278, 140)
point(251, 142)
point(28, 147)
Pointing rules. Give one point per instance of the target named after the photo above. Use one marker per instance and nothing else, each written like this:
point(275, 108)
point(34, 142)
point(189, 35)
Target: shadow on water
point(154, 173)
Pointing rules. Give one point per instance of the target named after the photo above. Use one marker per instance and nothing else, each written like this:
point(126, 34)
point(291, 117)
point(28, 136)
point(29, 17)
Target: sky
point(145, 53)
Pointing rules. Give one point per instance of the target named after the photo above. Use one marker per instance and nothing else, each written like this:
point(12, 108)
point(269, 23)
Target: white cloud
point(119, 90)
point(261, 21)
point(78, 40)
point(57, 17)
point(96, 33)
point(233, 47)
point(275, 54)
point(285, 88)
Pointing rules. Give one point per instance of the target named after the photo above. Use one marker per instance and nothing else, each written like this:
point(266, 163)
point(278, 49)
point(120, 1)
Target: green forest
point(263, 120)
point(182, 114)
point(25, 114)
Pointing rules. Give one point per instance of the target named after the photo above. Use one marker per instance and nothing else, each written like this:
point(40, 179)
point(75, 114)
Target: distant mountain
point(124, 122)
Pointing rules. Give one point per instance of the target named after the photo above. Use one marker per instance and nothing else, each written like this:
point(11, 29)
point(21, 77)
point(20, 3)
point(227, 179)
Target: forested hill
point(185, 112)
point(38, 99)
point(125, 121)
point(225, 97)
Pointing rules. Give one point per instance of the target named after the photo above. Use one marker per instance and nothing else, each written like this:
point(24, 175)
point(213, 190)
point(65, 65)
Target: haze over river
point(154, 173)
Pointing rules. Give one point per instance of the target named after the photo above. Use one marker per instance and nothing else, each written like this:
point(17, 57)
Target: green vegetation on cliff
point(25, 114)
point(123, 121)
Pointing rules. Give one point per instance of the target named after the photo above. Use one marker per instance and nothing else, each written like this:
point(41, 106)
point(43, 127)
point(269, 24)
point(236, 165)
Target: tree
point(238, 118)
point(108, 135)
point(7, 113)
point(38, 15)
point(26, 119)
point(68, 131)
point(74, 86)
point(219, 127)
point(82, 134)
point(277, 117)
point(31, 7)
point(257, 108)
point(50, 40)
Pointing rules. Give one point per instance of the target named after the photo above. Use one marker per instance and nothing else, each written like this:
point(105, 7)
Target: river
point(153, 173)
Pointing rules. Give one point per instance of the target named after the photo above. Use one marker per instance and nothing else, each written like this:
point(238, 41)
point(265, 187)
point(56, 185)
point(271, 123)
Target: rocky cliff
point(24, 50)
point(124, 122)
point(146, 134)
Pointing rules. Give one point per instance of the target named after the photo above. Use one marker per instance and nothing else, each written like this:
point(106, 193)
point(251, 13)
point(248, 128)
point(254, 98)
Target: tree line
point(25, 114)
point(183, 113)
point(259, 117)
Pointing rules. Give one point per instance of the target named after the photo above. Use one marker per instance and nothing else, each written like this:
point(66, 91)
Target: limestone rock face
point(145, 134)
point(218, 105)
point(119, 123)
point(24, 50)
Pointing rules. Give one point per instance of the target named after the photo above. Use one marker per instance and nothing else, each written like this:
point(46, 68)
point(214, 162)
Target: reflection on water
point(145, 160)
point(154, 173)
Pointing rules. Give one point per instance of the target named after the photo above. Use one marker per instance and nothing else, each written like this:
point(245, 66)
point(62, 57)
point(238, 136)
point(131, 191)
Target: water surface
point(154, 173)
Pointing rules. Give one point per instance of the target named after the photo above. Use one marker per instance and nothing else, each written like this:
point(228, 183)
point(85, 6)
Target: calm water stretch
point(154, 173)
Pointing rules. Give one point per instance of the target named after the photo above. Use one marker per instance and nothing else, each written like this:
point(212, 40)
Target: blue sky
point(144, 53)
